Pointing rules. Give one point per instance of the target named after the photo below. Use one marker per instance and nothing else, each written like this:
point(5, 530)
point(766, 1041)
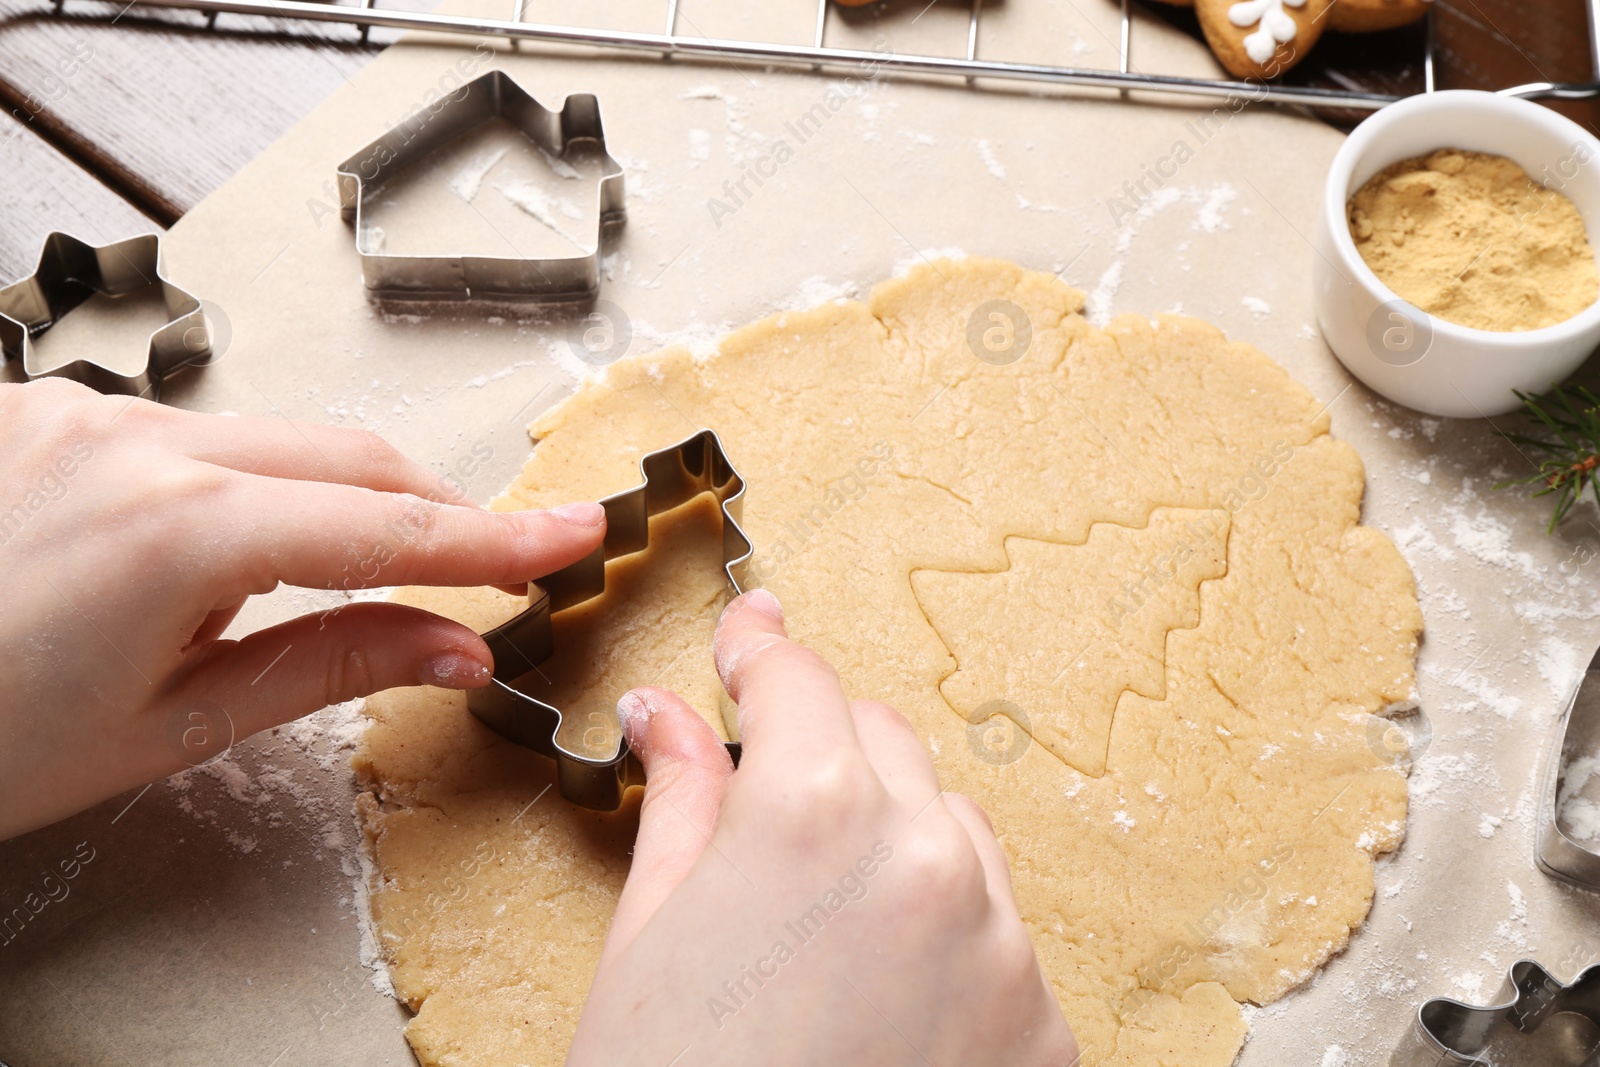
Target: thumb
point(686, 770)
point(297, 667)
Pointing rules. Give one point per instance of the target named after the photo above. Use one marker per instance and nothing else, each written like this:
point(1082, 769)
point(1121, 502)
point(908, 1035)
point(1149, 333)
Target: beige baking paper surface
point(1143, 537)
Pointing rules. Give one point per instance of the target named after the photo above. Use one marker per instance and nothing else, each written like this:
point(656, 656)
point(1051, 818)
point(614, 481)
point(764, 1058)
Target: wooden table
point(117, 122)
point(112, 129)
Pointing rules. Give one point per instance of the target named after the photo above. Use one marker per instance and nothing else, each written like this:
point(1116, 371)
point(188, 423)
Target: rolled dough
point(1140, 540)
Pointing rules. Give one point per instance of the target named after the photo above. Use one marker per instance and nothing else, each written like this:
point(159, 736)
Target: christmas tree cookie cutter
point(1578, 735)
point(466, 277)
point(69, 272)
point(672, 476)
point(1448, 1033)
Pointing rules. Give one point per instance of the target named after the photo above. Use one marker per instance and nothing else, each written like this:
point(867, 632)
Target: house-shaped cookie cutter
point(672, 476)
point(1448, 1033)
point(1577, 735)
point(69, 272)
point(464, 277)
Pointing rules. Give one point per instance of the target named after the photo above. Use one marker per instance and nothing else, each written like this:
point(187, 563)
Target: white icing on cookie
point(1276, 25)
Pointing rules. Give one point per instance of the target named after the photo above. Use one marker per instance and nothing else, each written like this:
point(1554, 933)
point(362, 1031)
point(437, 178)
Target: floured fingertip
point(724, 650)
point(764, 602)
point(634, 713)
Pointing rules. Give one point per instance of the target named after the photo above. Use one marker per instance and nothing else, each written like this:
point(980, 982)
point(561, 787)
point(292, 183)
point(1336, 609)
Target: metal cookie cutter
point(448, 277)
point(1447, 1033)
point(672, 476)
point(1578, 735)
point(69, 273)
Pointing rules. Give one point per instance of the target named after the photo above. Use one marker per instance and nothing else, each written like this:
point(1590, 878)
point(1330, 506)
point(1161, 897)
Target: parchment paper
point(219, 920)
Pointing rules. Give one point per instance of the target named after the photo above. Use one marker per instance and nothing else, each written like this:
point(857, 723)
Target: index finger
point(791, 705)
point(322, 535)
point(304, 451)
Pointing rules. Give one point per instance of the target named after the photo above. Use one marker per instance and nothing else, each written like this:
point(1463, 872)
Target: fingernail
point(764, 602)
point(581, 514)
point(634, 715)
point(453, 670)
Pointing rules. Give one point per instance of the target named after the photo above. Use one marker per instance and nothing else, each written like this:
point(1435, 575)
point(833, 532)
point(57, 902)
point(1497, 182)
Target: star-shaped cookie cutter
point(1577, 735)
point(672, 476)
point(464, 277)
point(69, 272)
point(1448, 1033)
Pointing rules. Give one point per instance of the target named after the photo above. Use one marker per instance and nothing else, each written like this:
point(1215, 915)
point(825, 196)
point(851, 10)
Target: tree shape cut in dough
point(1121, 592)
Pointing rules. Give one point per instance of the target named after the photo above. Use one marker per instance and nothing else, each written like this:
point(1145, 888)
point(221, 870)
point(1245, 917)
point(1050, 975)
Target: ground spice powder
point(1471, 239)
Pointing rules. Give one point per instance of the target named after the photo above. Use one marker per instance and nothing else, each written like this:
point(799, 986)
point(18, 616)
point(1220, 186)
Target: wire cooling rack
point(367, 14)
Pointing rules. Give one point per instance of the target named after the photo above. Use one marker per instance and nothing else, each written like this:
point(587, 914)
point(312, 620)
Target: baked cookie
point(1261, 38)
point(1369, 16)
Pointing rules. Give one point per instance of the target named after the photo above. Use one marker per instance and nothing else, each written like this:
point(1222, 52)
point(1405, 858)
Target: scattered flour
point(699, 337)
point(469, 178)
point(1514, 930)
point(297, 777)
point(1558, 664)
point(1210, 204)
point(371, 953)
point(1446, 779)
point(560, 167)
point(816, 291)
point(1257, 306)
point(481, 380)
point(1028, 205)
point(1334, 1056)
point(1098, 305)
point(539, 204)
point(1488, 539)
point(309, 793)
point(642, 185)
point(1209, 218)
point(1579, 815)
point(1471, 986)
point(1416, 542)
point(699, 145)
point(931, 255)
point(995, 167)
point(1476, 683)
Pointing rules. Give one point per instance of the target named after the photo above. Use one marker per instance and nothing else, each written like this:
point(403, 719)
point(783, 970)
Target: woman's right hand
point(827, 903)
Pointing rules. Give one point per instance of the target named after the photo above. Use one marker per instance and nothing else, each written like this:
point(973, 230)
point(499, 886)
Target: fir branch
point(1570, 462)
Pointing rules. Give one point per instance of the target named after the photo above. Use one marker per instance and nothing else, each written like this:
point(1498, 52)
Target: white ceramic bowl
point(1424, 362)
